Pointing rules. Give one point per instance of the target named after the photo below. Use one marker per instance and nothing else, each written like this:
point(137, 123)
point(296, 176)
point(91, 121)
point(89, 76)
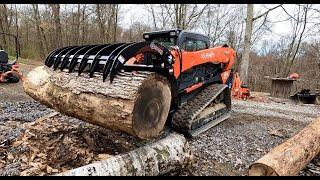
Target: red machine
point(9, 72)
point(239, 90)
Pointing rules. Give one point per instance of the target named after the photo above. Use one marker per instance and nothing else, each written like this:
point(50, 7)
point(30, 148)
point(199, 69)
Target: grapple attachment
point(109, 59)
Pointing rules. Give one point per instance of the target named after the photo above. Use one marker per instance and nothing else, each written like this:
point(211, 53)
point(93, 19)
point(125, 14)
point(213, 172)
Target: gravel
point(285, 110)
point(24, 111)
point(239, 141)
point(227, 149)
point(230, 147)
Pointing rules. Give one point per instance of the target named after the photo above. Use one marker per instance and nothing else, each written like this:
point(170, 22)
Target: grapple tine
point(74, 60)
point(49, 60)
point(105, 70)
point(96, 60)
point(129, 51)
point(84, 59)
point(109, 63)
point(58, 59)
point(65, 59)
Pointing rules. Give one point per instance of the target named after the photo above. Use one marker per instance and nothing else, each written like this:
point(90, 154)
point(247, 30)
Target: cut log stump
point(137, 103)
point(292, 156)
point(166, 155)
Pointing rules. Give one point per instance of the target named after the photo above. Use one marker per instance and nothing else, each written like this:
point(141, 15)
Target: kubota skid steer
point(199, 76)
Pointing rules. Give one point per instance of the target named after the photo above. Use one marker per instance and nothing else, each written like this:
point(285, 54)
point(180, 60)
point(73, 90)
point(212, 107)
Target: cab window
point(191, 45)
point(201, 45)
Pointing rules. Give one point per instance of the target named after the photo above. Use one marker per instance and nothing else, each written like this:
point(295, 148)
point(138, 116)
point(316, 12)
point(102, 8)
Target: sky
point(137, 11)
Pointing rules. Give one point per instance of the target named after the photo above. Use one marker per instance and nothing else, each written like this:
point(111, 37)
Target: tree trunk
point(84, 27)
point(3, 26)
point(244, 67)
point(115, 24)
point(169, 154)
point(101, 26)
point(57, 24)
point(77, 33)
point(137, 104)
point(292, 156)
point(37, 24)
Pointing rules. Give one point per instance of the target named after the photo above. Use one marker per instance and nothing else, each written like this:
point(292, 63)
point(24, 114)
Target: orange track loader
point(199, 76)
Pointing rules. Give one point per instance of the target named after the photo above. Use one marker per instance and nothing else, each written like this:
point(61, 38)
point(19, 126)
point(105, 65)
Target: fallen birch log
point(166, 155)
point(290, 157)
point(135, 103)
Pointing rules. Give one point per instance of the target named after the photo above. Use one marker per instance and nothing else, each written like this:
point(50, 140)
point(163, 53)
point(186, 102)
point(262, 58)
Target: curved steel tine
point(84, 59)
point(107, 66)
point(65, 59)
point(74, 60)
point(48, 62)
point(58, 58)
point(116, 63)
point(96, 59)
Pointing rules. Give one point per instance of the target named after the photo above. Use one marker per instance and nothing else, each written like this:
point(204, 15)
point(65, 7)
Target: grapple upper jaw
point(107, 59)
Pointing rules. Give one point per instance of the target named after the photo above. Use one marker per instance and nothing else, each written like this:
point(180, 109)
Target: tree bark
point(292, 156)
point(57, 24)
point(77, 33)
point(37, 24)
point(115, 22)
point(3, 25)
point(137, 104)
point(244, 67)
point(169, 154)
point(101, 23)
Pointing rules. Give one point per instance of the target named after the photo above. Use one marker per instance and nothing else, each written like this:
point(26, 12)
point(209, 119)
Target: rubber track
point(184, 118)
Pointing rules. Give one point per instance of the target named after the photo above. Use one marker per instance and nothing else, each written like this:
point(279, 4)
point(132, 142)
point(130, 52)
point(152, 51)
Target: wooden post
point(168, 154)
point(290, 157)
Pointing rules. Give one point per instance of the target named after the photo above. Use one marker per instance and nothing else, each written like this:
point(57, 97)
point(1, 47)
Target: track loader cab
point(185, 40)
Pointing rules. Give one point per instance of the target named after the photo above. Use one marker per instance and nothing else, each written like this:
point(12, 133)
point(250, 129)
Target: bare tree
point(244, 65)
point(57, 24)
point(299, 22)
point(36, 17)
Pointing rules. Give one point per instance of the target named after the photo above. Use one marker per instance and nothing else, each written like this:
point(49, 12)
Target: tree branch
point(265, 13)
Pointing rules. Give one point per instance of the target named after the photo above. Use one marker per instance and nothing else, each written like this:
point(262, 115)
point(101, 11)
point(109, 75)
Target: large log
point(292, 156)
point(169, 154)
point(135, 103)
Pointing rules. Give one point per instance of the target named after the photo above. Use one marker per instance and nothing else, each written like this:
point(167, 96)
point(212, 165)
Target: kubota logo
point(155, 47)
point(207, 55)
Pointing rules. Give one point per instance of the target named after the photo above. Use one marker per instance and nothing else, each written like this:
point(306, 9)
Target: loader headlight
point(170, 59)
point(173, 33)
point(171, 71)
point(146, 36)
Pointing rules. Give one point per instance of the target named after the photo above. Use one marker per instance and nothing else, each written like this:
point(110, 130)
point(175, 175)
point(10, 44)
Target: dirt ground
point(35, 140)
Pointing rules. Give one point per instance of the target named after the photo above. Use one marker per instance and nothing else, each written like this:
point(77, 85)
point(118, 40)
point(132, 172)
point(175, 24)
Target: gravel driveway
point(255, 127)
